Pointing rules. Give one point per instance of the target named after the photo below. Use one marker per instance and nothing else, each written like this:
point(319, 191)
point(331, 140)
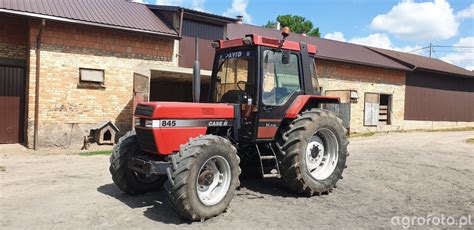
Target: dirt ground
point(397, 174)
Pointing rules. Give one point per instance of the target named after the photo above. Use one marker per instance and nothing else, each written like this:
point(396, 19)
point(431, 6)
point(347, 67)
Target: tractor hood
point(184, 110)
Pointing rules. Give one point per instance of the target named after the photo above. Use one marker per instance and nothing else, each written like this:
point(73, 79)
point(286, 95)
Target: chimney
point(240, 18)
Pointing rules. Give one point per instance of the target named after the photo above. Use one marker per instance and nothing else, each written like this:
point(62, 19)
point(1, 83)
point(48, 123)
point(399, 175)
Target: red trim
point(302, 100)
point(266, 132)
point(265, 41)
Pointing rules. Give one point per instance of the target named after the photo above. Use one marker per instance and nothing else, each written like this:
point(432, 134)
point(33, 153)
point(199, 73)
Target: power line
point(461, 47)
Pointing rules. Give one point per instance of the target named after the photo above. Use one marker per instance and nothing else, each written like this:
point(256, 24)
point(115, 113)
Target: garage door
point(12, 101)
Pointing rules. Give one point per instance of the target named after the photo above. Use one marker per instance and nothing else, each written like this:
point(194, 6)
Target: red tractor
point(264, 113)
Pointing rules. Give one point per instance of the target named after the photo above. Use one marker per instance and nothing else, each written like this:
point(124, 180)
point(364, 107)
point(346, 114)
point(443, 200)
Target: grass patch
point(470, 140)
point(94, 153)
point(367, 134)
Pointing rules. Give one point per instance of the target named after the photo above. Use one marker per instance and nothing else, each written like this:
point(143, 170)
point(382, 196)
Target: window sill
point(90, 86)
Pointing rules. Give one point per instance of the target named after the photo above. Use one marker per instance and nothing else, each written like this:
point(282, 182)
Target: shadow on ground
point(158, 208)
point(272, 187)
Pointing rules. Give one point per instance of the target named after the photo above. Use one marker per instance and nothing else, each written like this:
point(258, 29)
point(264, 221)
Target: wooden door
point(12, 104)
point(371, 109)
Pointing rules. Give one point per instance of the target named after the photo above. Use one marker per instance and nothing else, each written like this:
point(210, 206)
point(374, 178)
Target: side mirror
point(285, 57)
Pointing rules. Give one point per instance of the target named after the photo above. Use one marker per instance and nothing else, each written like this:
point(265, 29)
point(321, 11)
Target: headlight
point(137, 121)
point(149, 123)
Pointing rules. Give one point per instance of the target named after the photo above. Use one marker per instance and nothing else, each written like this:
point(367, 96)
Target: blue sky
point(404, 25)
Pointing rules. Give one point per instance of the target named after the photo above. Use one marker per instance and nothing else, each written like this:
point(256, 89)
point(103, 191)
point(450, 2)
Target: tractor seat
point(234, 96)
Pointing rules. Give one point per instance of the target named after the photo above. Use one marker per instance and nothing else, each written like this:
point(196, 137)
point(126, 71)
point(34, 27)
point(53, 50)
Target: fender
point(308, 101)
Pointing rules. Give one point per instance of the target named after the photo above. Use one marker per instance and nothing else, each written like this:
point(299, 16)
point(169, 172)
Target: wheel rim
point(213, 180)
point(322, 154)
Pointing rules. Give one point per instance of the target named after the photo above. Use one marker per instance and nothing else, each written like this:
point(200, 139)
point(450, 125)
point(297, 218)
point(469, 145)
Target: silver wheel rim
point(322, 154)
point(213, 180)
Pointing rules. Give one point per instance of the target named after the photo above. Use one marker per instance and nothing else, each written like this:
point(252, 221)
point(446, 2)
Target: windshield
point(234, 77)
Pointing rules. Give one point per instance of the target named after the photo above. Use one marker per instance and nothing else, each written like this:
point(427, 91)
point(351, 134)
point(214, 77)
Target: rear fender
point(305, 102)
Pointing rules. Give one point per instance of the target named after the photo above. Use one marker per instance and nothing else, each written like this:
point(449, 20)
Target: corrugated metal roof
point(426, 63)
point(327, 49)
point(117, 13)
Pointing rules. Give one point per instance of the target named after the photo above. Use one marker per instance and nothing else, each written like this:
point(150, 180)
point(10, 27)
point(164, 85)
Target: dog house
point(104, 133)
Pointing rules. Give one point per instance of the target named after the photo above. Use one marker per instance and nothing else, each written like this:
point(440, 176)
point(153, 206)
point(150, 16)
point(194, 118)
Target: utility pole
point(431, 48)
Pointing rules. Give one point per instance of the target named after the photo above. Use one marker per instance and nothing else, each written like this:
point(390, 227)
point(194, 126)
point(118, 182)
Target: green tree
point(297, 24)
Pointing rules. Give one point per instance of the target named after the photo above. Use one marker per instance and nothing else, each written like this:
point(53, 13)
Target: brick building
point(96, 59)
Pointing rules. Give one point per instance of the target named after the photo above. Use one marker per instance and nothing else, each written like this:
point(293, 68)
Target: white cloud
point(239, 7)
point(338, 36)
point(198, 5)
point(138, 1)
point(418, 21)
point(375, 40)
point(466, 13)
point(461, 56)
point(169, 2)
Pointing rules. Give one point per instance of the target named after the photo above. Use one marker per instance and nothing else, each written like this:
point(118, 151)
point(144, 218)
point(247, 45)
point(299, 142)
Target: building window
point(91, 78)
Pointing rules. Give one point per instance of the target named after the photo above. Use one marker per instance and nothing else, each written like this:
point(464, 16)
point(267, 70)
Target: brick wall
point(364, 79)
point(66, 110)
point(13, 37)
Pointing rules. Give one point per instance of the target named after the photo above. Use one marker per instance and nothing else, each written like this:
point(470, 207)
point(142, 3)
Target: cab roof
point(264, 41)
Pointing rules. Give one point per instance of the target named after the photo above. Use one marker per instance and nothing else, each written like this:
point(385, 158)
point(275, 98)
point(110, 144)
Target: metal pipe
point(196, 73)
point(37, 81)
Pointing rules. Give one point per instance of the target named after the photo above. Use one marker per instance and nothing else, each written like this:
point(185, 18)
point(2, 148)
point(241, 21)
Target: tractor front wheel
point(313, 151)
point(126, 179)
point(204, 177)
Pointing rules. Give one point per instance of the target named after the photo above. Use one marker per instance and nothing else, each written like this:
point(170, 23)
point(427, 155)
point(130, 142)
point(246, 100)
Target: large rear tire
point(126, 179)
point(313, 152)
point(205, 176)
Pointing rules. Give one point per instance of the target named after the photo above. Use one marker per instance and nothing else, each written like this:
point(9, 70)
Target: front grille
point(146, 140)
point(144, 110)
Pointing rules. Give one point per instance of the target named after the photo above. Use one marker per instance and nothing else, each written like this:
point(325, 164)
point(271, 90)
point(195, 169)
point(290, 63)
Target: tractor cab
point(264, 76)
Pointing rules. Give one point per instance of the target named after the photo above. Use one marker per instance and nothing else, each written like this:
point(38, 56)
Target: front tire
point(204, 177)
point(313, 152)
point(126, 179)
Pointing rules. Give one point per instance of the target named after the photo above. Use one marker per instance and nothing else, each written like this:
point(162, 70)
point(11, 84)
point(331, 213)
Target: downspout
point(37, 82)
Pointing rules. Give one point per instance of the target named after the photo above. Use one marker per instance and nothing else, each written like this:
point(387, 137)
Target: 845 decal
point(168, 123)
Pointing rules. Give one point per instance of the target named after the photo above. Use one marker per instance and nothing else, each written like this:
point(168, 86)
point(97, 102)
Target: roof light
point(247, 41)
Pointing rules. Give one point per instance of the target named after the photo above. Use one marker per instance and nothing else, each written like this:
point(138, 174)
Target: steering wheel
point(241, 82)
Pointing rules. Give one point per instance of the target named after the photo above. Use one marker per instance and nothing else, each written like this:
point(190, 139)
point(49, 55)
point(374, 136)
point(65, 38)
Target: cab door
point(280, 86)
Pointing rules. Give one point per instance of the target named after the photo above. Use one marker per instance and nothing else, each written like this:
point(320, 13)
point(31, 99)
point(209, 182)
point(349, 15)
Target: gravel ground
point(399, 174)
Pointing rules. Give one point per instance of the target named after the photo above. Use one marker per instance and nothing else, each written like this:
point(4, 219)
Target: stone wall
point(364, 79)
point(66, 109)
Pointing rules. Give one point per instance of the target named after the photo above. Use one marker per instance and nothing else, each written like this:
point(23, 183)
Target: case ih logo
point(217, 123)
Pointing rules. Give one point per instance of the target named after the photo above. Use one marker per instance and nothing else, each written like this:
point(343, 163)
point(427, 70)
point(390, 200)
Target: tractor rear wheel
point(313, 151)
point(126, 179)
point(205, 175)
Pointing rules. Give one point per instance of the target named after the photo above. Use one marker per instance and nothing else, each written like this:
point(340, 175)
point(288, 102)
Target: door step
point(268, 163)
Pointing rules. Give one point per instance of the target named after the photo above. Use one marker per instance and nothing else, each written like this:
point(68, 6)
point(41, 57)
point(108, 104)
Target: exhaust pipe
point(196, 74)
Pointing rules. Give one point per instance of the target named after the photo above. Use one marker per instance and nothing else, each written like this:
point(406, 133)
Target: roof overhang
point(67, 20)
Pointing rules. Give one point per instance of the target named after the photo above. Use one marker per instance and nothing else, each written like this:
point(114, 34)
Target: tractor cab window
point(234, 82)
point(280, 80)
